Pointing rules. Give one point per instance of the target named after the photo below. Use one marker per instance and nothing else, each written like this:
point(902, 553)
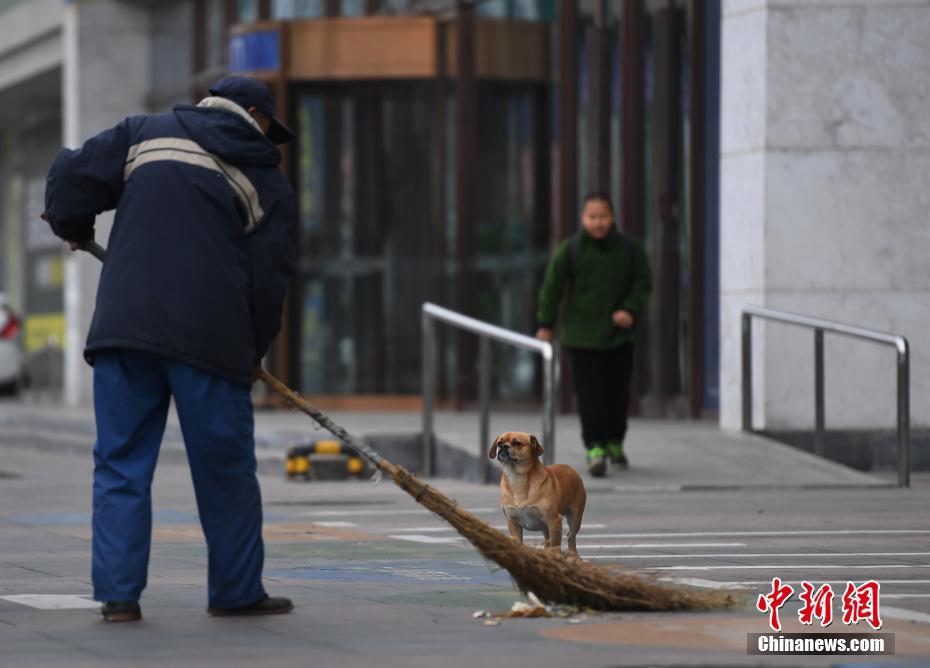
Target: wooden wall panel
point(514, 50)
point(363, 48)
point(406, 47)
point(511, 50)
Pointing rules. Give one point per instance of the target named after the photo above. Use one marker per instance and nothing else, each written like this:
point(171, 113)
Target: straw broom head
point(552, 577)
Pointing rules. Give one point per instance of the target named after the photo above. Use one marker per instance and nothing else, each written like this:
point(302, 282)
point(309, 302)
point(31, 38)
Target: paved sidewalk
point(379, 581)
point(664, 455)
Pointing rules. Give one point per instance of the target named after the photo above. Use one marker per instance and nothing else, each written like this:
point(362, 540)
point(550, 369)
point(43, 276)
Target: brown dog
point(536, 497)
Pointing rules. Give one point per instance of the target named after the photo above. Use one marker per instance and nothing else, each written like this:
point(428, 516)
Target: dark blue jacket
point(201, 252)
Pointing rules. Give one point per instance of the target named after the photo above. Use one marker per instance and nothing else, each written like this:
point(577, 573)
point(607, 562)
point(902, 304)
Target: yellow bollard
point(328, 447)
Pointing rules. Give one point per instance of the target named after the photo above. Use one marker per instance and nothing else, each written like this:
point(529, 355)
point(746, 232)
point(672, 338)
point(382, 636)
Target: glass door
point(363, 169)
point(374, 175)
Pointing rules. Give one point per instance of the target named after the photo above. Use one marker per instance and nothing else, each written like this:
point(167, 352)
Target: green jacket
point(602, 282)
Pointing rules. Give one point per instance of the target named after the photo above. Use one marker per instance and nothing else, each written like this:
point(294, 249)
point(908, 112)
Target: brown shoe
point(266, 605)
point(121, 611)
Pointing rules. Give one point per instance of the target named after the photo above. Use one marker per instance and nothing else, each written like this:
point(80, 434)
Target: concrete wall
point(107, 76)
point(172, 57)
point(825, 200)
point(30, 40)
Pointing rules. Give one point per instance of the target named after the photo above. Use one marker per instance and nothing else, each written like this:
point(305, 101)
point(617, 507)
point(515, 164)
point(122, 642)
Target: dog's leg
point(572, 531)
point(574, 526)
point(515, 530)
point(554, 538)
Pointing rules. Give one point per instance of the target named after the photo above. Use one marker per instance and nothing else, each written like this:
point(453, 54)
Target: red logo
point(817, 605)
point(859, 603)
point(772, 601)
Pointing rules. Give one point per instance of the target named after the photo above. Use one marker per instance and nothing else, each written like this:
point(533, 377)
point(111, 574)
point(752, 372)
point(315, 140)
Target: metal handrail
point(899, 343)
point(487, 332)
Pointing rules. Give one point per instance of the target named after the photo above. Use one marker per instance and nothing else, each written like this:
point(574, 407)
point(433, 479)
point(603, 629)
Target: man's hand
point(256, 371)
point(623, 319)
point(75, 245)
point(544, 334)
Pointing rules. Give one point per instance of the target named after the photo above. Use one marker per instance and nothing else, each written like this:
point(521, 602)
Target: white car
point(11, 352)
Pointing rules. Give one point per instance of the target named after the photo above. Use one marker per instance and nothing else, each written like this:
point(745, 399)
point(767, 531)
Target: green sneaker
point(597, 461)
point(615, 450)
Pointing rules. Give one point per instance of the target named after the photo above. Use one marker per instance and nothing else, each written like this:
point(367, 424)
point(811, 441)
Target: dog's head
point(515, 447)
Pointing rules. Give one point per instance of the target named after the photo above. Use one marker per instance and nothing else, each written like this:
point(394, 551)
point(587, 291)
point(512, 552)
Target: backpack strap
point(574, 246)
point(631, 255)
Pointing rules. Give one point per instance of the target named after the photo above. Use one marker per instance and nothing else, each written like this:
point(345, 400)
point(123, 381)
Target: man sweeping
point(191, 294)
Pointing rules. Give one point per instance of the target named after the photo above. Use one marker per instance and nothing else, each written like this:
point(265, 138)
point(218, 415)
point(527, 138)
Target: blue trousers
point(132, 392)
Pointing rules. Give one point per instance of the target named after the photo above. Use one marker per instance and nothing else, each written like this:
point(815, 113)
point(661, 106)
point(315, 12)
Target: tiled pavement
point(379, 581)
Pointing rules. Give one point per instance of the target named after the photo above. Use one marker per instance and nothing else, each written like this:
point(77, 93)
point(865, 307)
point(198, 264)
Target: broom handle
point(94, 249)
point(324, 421)
point(89, 246)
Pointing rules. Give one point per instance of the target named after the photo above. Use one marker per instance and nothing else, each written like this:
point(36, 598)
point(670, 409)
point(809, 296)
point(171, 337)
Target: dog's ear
point(492, 454)
point(537, 446)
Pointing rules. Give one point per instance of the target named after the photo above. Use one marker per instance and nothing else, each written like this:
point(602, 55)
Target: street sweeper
point(191, 295)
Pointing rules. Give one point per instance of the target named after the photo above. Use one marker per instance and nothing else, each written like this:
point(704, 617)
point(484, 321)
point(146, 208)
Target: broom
point(553, 578)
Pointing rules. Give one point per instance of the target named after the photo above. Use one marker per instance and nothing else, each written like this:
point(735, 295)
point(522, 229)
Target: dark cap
point(248, 92)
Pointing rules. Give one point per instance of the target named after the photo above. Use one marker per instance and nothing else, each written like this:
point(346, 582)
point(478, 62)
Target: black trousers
point(602, 392)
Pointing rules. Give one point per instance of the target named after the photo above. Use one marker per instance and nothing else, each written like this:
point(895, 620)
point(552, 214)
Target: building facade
point(444, 148)
point(766, 151)
point(443, 151)
point(825, 180)
point(31, 262)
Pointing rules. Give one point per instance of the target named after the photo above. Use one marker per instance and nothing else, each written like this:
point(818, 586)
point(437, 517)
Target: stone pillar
point(742, 186)
point(825, 194)
point(107, 70)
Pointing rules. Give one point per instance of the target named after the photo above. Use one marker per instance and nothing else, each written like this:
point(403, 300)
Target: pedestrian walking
point(190, 297)
point(605, 279)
